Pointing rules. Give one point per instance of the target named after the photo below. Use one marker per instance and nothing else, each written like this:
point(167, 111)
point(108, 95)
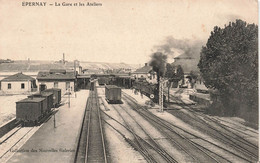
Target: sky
point(117, 31)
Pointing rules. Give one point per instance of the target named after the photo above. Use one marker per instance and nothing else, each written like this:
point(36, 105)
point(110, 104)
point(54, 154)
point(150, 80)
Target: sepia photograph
point(129, 81)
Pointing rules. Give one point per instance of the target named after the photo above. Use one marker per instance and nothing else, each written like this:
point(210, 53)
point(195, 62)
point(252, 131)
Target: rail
point(91, 145)
point(241, 144)
point(170, 125)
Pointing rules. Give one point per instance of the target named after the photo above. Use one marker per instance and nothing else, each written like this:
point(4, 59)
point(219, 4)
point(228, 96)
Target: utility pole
point(161, 95)
point(69, 98)
point(54, 122)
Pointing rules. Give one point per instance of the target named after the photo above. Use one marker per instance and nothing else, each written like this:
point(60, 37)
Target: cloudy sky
point(119, 31)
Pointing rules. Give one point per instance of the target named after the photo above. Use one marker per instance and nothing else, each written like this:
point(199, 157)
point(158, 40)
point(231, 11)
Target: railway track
point(151, 140)
point(193, 151)
point(241, 129)
point(143, 148)
point(5, 154)
point(173, 128)
point(219, 131)
point(18, 127)
point(154, 152)
point(91, 144)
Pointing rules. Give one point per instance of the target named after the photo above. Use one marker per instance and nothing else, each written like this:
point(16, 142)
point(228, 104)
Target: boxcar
point(113, 94)
point(44, 103)
point(56, 95)
point(30, 110)
point(49, 99)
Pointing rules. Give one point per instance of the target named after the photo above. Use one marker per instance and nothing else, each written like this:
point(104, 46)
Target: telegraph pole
point(69, 98)
point(54, 122)
point(161, 95)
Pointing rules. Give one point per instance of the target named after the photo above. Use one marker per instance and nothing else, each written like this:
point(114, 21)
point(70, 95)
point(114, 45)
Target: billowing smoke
point(173, 47)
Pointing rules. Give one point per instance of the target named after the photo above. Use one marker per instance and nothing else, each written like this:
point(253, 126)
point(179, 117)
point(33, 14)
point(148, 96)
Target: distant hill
point(34, 66)
point(103, 65)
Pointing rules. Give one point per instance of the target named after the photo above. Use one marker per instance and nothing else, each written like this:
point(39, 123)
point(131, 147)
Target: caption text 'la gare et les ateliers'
point(68, 4)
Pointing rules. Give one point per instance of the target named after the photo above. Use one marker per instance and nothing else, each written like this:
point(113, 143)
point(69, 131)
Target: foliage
point(194, 75)
point(179, 73)
point(170, 73)
point(229, 63)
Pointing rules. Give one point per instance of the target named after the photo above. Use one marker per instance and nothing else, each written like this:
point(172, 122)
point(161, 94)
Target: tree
point(193, 78)
point(158, 62)
point(170, 74)
point(229, 63)
point(179, 74)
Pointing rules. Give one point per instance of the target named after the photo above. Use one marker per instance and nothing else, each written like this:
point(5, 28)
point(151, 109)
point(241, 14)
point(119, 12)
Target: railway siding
point(63, 136)
point(216, 150)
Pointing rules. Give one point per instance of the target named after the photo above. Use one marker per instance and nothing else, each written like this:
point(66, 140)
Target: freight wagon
point(113, 94)
point(56, 95)
point(30, 110)
point(49, 99)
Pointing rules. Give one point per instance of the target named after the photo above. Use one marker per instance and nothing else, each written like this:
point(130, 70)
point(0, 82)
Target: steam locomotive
point(148, 89)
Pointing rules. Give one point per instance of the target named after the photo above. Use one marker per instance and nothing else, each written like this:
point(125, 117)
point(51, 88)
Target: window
point(9, 86)
point(55, 84)
point(22, 86)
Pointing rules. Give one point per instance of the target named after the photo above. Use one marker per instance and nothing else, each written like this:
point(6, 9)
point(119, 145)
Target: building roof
point(184, 56)
point(143, 70)
point(35, 100)
point(52, 90)
point(111, 86)
point(56, 75)
point(18, 77)
point(46, 93)
point(42, 94)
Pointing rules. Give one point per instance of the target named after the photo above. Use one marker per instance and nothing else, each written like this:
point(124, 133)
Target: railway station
point(85, 129)
point(129, 81)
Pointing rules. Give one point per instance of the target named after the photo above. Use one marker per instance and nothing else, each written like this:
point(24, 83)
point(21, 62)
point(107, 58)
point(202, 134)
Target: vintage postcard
point(129, 81)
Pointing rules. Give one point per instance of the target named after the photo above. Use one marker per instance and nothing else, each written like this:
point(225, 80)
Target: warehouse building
point(57, 78)
point(18, 84)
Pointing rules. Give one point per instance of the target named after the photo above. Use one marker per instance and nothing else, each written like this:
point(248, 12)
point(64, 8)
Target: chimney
point(80, 70)
point(75, 66)
point(63, 58)
point(146, 64)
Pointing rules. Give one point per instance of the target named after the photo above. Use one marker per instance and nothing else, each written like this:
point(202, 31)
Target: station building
point(145, 73)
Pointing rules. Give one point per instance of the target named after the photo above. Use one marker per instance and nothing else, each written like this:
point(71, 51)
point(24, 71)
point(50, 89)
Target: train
point(148, 89)
point(113, 94)
point(56, 95)
point(36, 107)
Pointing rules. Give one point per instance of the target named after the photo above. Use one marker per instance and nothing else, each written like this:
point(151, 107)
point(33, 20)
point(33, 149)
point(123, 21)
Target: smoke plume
point(173, 47)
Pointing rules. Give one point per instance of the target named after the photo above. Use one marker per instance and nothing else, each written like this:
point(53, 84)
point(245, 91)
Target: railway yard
point(91, 129)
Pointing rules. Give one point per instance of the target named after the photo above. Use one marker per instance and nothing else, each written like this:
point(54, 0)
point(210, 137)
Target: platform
point(58, 144)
